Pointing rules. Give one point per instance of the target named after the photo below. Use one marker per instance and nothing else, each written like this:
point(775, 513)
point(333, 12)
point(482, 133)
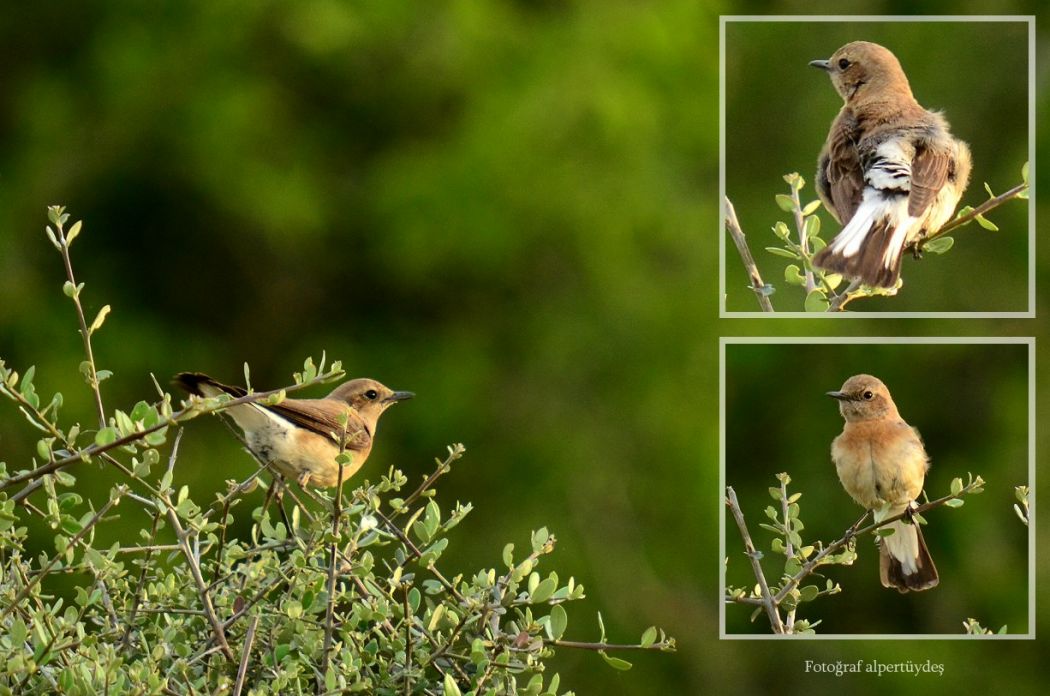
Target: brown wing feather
point(929, 172)
point(324, 417)
point(842, 168)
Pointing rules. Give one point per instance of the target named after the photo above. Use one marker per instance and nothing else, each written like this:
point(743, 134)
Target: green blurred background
point(509, 208)
point(970, 404)
point(779, 110)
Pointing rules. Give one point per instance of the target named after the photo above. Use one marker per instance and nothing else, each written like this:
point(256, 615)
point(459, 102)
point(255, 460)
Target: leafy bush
point(343, 593)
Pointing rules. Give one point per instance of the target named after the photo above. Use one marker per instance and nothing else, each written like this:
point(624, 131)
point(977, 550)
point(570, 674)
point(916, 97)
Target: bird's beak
point(822, 64)
point(841, 396)
point(399, 396)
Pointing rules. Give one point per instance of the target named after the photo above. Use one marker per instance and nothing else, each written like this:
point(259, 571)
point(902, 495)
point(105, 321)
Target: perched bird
point(301, 438)
point(881, 459)
point(890, 171)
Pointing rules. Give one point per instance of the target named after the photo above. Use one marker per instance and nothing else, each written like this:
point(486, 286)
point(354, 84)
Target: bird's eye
point(843, 63)
point(371, 394)
point(868, 396)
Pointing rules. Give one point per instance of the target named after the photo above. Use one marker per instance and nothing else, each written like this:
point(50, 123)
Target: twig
point(337, 510)
point(789, 548)
point(803, 240)
point(839, 301)
point(455, 452)
point(120, 490)
point(126, 640)
point(768, 602)
point(192, 411)
point(662, 645)
point(983, 208)
point(85, 332)
point(198, 579)
point(409, 617)
point(757, 285)
point(242, 670)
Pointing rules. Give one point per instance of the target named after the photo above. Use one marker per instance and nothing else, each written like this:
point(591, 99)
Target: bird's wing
point(840, 168)
point(929, 172)
point(324, 416)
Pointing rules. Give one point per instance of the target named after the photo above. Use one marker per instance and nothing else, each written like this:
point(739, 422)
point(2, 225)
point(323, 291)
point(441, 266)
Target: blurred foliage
point(969, 403)
point(507, 207)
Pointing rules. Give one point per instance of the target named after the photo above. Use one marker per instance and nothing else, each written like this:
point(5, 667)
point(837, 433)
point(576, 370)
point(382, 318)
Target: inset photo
point(877, 165)
point(877, 487)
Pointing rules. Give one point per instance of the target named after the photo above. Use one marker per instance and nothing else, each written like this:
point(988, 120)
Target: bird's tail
point(904, 560)
point(202, 385)
point(870, 246)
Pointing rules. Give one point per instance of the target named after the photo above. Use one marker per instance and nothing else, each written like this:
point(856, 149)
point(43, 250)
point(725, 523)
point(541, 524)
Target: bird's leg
point(304, 478)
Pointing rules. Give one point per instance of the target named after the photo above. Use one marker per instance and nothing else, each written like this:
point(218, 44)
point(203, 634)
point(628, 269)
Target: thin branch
point(246, 652)
point(120, 490)
point(192, 411)
point(757, 285)
point(751, 552)
point(662, 645)
point(789, 548)
point(198, 579)
point(455, 452)
point(983, 208)
point(85, 331)
point(337, 509)
point(803, 240)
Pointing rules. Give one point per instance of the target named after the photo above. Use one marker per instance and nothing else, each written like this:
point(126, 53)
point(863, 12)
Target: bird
point(301, 438)
point(881, 460)
point(890, 171)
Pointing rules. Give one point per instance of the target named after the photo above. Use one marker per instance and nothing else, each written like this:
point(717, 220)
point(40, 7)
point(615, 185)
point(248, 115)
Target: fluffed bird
point(890, 171)
point(300, 438)
point(880, 459)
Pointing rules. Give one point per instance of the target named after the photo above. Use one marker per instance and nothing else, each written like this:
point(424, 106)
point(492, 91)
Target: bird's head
point(864, 397)
point(368, 397)
point(862, 70)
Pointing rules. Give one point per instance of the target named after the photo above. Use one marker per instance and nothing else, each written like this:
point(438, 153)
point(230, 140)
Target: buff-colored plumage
point(880, 459)
point(300, 438)
point(890, 171)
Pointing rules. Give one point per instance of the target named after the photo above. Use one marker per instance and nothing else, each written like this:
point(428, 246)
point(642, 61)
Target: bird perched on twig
point(890, 171)
point(880, 459)
point(301, 438)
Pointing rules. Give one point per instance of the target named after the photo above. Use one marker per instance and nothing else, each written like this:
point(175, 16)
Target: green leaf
point(450, 688)
point(544, 591)
point(817, 302)
point(811, 208)
point(615, 662)
point(809, 593)
point(140, 411)
point(989, 190)
point(785, 253)
point(793, 275)
point(69, 289)
point(73, 232)
point(781, 230)
point(1024, 173)
point(559, 620)
point(649, 637)
point(939, 245)
point(539, 539)
point(785, 202)
point(986, 223)
point(508, 555)
point(957, 486)
point(955, 502)
point(51, 235)
point(105, 437)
